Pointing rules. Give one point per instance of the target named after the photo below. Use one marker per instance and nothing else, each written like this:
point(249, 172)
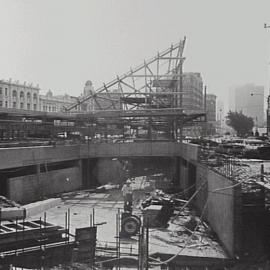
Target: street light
point(268, 101)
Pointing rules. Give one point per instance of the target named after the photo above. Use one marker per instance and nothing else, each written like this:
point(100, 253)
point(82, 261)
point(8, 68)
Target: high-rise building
point(16, 95)
point(249, 99)
point(193, 92)
point(211, 113)
point(192, 101)
point(211, 107)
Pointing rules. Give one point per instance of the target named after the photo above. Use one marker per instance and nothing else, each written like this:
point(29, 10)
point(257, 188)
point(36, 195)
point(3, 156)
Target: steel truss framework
point(148, 85)
point(144, 103)
point(148, 97)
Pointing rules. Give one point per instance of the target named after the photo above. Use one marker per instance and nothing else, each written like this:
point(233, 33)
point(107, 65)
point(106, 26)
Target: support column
point(40, 190)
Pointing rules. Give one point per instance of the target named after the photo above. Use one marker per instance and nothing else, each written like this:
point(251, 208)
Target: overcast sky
point(59, 44)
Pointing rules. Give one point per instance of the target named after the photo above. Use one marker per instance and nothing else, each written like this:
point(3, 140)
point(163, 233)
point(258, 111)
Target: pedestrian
point(127, 194)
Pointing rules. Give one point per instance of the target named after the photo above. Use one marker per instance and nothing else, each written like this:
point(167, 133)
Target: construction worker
point(127, 194)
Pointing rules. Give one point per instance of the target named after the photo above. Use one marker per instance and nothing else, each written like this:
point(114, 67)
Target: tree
point(241, 123)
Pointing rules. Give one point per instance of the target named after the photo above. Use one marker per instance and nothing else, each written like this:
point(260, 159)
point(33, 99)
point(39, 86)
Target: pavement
point(84, 206)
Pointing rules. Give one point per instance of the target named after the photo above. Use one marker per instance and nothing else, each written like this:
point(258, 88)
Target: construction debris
point(4, 202)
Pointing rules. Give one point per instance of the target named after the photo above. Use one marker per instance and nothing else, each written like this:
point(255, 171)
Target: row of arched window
point(28, 95)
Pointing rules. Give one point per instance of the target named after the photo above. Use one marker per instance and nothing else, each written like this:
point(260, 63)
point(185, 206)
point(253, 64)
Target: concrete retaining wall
point(24, 156)
point(219, 203)
point(189, 151)
point(202, 184)
point(34, 187)
point(133, 149)
point(223, 207)
point(220, 209)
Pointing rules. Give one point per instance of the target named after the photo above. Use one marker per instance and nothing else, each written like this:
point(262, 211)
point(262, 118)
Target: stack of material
point(188, 235)
point(10, 210)
point(29, 234)
point(4, 202)
point(150, 215)
point(86, 241)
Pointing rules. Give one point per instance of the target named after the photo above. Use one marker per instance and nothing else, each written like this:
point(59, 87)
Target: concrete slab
point(166, 241)
point(40, 206)
point(12, 213)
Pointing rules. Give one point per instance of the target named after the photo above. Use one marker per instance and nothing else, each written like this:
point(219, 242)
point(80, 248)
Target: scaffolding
point(147, 101)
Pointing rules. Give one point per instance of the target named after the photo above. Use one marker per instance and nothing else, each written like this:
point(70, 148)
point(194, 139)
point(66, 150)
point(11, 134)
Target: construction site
point(63, 176)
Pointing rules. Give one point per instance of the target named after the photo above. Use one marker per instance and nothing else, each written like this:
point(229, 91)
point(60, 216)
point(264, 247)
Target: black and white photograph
point(135, 134)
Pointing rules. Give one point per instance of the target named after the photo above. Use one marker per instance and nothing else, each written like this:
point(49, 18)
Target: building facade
point(249, 99)
point(211, 113)
point(192, 101)
point(51, 103)
point(211, 107)
point(16, 95)
point(193, 92)
point(101, 101)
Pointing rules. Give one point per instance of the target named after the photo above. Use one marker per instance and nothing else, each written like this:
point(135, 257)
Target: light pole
point(268, 102)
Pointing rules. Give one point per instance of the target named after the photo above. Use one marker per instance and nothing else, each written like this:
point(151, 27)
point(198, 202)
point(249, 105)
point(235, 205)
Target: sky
point(60, 44)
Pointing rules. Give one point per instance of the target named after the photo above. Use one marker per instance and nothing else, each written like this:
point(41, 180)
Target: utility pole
point(267, 117)
point(268, 100)
point(205, 110)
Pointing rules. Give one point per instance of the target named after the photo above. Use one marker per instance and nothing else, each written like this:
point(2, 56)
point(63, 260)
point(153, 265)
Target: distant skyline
point(62, 44)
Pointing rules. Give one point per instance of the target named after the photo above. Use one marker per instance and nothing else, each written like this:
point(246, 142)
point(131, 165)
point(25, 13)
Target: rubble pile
point(4, 202)
point(246, 171)
point(187, 231)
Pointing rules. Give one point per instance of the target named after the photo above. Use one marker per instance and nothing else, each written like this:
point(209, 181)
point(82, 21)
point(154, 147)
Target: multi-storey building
point(192, 101)
point(16, 95)
point(211, 113)
point(102, 101)
point(192, 92)
point(211, 107)
point(51, 103)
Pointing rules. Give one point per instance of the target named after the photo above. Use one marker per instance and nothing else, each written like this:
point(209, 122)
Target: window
point(21, 105)
point(6, 92)
point(1, 103)
point(6, 104)
point(28, 106)
point(0, 90)
point(35, 107)
point(14, 104)
point(28, 96)
point(14, 94)
point(35, 96)
point(21, 95)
